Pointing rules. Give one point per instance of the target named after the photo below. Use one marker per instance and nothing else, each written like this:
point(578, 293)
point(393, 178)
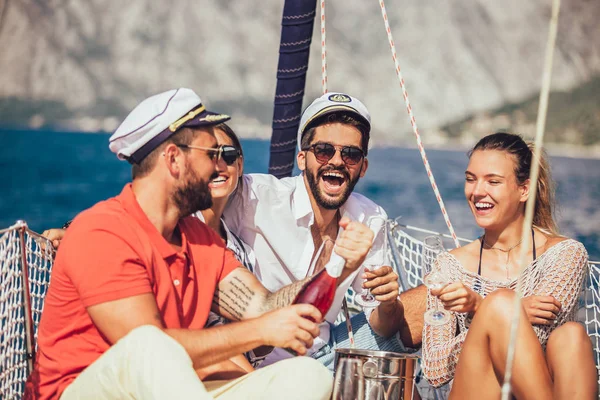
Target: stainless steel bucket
point(388, 376)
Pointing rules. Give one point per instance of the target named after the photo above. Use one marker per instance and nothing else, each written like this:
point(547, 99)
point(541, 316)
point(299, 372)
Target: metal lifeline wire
point(413, 122)
point(323, 49)
point(529, 208)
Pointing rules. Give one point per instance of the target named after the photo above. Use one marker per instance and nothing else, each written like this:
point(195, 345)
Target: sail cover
point(294, 49)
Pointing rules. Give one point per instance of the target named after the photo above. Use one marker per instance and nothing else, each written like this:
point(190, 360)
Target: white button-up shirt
point(274, 217)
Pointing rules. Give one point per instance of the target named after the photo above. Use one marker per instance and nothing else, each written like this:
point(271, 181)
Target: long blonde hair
point(522, 153)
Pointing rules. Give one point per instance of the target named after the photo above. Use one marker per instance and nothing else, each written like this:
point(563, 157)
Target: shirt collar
point(131, 205)
point(300, 199)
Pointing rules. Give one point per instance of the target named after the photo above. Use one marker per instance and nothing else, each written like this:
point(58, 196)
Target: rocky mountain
point(83, 64)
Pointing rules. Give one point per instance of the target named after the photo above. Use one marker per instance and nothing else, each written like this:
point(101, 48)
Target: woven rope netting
point(15, 360)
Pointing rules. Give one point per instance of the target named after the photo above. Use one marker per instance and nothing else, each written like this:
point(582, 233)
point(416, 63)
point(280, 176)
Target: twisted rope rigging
point(533, 177)
point(413, 123)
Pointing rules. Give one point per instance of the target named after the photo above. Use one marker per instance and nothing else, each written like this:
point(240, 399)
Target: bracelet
point(67, 224)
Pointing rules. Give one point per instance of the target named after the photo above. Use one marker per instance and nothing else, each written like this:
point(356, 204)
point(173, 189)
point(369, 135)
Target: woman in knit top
point(553, 357)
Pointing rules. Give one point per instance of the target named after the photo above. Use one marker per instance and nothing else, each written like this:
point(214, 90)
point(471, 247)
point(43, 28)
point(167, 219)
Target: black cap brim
point(206, 118)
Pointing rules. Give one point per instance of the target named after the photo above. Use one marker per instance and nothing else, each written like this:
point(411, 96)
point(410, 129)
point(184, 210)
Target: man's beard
point(328, 203)
point(194, 195)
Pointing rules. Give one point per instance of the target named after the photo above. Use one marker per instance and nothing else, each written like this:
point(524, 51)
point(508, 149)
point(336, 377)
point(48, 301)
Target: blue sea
point(48, 177)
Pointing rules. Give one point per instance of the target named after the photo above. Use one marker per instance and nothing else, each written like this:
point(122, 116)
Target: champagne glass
point(349, 382)
point(365, 298)
point(434, 278)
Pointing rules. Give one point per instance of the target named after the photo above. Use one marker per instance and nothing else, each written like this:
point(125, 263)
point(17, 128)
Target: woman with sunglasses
point(230, 167)
point(553, 355)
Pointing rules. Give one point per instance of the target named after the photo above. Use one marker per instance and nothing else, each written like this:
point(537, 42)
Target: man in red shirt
point(135, 278)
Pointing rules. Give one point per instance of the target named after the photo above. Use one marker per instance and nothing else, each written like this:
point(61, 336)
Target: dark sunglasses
point(228, 153)
point(325, 151)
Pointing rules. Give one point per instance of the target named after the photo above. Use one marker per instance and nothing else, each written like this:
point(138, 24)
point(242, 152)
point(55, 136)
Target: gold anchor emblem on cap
point(340, 98)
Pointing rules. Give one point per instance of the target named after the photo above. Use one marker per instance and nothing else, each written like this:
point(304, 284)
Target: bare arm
point(282, 328)
point(207, 346)
point(562, 277)
point(54, 235)
point(404, 316)
point(241, 296)
point(414, 305)
point(387, 318)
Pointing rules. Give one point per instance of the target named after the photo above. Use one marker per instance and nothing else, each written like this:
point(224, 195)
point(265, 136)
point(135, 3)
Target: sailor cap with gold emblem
point(330, 103)
point(155, 119)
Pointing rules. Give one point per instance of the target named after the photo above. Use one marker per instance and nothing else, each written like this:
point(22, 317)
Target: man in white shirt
point(286, 220)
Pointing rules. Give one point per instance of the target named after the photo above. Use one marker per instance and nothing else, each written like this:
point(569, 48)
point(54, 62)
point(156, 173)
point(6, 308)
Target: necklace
point(501, 249)
point(507, 251)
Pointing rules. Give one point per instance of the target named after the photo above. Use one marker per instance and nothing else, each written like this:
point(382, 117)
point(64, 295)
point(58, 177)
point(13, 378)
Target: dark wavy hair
point(522, 153)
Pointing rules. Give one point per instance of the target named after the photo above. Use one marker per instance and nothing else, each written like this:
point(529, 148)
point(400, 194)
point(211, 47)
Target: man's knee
point(150, 339)
point(305, 374)
point(145, 333)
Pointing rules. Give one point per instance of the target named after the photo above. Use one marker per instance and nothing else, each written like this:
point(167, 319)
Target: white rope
point(323, 49)
point(413, 122)
point(529, 208)
point(18, 224)
point(428, 231)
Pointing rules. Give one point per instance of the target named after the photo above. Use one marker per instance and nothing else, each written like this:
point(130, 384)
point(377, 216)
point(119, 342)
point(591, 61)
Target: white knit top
point(558, 272)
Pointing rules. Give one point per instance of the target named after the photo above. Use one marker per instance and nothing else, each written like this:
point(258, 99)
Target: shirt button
point(176, 282)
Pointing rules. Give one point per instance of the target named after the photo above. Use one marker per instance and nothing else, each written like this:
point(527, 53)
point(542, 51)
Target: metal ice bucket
point(388, 376)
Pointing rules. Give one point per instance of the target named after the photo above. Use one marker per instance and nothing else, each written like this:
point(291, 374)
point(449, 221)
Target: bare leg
point(571, 362)
point(482, 360)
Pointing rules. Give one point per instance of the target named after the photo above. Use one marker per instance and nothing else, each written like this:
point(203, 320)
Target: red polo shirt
point(112, 251)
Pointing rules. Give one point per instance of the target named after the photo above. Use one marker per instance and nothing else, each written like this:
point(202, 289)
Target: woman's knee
point(497, 305)
point(570, 338)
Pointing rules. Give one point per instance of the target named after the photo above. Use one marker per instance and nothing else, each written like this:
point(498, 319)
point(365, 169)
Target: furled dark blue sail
point(294, 48)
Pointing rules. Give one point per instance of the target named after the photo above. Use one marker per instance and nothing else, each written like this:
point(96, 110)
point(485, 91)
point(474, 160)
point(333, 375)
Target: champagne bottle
point(320, 290)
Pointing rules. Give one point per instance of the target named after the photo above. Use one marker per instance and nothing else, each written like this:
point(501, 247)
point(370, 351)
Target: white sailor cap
point(155, 119)
point(330, 103)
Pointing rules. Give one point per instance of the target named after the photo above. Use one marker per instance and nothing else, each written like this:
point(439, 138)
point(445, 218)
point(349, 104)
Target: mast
point(294, 49)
